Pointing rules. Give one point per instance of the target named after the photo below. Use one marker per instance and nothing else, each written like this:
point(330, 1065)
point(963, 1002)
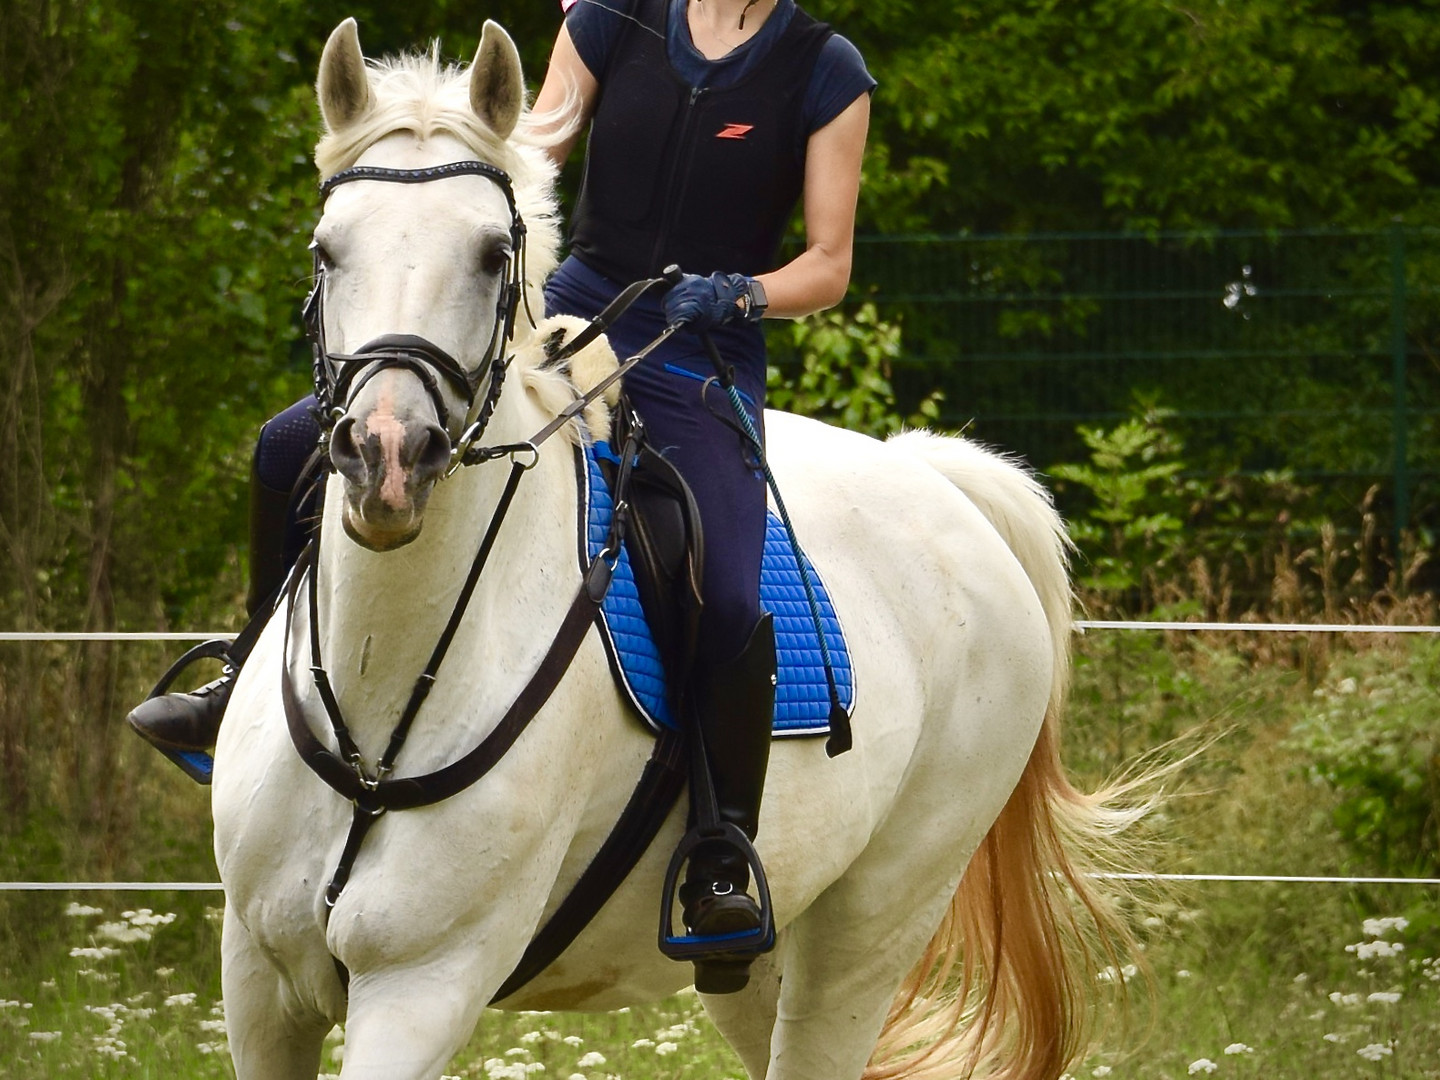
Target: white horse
point(927, 886)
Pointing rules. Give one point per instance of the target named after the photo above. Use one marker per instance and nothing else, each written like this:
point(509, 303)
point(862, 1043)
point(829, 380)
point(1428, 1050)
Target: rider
point(709, 121)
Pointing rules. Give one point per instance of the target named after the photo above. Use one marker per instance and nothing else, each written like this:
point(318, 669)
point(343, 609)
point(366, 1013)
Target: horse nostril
point(345, 453)
point(432, 456)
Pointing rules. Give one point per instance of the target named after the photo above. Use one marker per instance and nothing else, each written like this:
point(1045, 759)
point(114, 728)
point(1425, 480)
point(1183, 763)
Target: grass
point(1250, 980)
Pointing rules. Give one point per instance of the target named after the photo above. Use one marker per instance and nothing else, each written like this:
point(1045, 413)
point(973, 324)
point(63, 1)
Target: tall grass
point(1286, 978)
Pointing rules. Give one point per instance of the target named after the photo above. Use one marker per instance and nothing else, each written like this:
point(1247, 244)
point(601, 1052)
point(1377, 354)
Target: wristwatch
point(753, 301)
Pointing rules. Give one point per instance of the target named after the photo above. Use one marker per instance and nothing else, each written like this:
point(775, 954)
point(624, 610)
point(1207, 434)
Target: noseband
point(339, 376)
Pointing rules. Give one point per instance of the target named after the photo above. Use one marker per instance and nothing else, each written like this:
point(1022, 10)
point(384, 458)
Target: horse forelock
point(421, 94)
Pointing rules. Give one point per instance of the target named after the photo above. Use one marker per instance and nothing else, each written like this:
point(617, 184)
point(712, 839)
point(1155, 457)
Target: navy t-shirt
point(839, 76)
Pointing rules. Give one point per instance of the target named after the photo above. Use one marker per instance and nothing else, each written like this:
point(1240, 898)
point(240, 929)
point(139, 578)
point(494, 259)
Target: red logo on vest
point(734, 131)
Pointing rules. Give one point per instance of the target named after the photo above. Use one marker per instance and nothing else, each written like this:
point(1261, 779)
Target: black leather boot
point(734, 707)
point(184, 726)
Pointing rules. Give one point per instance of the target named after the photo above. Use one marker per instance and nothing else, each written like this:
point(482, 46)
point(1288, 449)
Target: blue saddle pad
point(802, 695)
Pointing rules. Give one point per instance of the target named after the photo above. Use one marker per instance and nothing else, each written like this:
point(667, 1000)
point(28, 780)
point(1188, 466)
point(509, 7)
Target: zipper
point(679, 168)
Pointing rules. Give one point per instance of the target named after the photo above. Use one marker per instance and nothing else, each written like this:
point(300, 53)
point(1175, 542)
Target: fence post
point(1401, 411)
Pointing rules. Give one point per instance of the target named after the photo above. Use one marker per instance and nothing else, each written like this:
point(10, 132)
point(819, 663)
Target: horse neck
point(381, 614)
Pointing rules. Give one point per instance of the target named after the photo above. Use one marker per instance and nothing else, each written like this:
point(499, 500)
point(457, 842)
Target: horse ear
point(497, 86)
point(343, 87)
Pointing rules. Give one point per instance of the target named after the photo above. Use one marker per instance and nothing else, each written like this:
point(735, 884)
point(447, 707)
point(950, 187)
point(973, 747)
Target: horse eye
point(495, 259)
point(321, 255)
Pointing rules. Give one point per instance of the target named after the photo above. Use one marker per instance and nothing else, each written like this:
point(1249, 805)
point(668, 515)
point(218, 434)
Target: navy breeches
point(286, 442)
point(692, 422)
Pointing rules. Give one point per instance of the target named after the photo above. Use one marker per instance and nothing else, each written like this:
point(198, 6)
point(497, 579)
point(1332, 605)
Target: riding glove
point(704, 302)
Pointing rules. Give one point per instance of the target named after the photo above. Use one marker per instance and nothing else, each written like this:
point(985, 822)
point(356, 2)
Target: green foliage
point(1042, 115)
point(843, 373)
point(1135, 518)
point(1370, 734)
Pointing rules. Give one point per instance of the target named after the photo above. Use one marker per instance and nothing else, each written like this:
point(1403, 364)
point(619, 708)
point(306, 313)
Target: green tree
point(1102, 114)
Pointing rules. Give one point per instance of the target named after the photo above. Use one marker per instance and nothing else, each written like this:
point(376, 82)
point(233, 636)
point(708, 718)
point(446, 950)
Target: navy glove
point(702, 303)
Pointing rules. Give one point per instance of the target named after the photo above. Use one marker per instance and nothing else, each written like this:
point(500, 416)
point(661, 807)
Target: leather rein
point(375, 792)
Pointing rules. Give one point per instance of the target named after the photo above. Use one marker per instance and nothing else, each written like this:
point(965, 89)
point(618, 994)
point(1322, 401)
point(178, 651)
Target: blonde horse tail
point(1030, 929)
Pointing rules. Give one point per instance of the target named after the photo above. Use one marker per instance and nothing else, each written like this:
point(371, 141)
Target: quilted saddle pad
point(802, 696)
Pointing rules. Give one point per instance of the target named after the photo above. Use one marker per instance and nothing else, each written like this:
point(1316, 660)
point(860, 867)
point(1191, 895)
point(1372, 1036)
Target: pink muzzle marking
point(390, 430)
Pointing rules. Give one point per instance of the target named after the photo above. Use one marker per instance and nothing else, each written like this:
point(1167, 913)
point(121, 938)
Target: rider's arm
point(568, 94)
point(817, 278)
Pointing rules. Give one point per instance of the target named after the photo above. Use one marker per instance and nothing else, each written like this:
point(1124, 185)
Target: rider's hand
point(704, 302)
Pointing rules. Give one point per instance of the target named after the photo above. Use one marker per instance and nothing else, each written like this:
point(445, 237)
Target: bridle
point(339, 376)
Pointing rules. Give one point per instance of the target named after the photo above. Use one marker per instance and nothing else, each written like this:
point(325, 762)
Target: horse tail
point(1030, 927)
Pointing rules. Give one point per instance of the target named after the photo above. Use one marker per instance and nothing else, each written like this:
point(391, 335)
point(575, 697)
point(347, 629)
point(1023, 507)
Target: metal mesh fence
point(1312, 351)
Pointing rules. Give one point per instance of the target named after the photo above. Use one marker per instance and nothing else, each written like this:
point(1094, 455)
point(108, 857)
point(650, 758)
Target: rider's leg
point(731, 695)
point(734, 703)
point(190, 721)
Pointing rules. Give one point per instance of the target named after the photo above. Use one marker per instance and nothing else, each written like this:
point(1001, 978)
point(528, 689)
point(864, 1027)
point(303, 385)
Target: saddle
point(664, 548)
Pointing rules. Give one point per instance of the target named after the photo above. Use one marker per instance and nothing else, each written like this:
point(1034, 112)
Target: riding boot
point(734, 705)
point(183, 724)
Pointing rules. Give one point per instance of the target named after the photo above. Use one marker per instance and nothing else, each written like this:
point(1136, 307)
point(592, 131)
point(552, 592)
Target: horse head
point(420, 263)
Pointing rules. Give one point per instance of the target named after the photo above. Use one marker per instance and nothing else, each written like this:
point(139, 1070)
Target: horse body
point(956, 659)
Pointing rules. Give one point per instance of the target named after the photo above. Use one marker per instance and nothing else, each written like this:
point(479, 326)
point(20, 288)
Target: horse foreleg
point(747, 1019)
point(406, 1024)
point(271, 1036)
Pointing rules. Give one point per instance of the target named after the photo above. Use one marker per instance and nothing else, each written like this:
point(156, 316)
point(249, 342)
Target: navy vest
point(704, 178)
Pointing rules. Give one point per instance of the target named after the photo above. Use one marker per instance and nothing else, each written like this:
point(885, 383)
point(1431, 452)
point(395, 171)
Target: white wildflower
point(1381, 927)
point(642, 1044)
point(572, 1040)
point(593, 1060)
point(1239, 1048)
point(1100, 1070)
point(1375, 1051)
point(1203, 1065)
point(95, 952)
point(44, 1036)
point(123, 932)
point(180, 999)
point(1372, 950)
point(1345, 999)
point(666, 1048)
point(1385, 997)
point(76, 911)
point(146, 917)
point(1332, 1037)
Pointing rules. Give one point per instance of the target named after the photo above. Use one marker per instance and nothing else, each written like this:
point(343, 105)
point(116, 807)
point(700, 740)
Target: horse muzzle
point(390, 450)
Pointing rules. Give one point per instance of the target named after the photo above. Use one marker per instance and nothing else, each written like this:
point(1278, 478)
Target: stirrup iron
point(196, 764)
point(722, 960)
